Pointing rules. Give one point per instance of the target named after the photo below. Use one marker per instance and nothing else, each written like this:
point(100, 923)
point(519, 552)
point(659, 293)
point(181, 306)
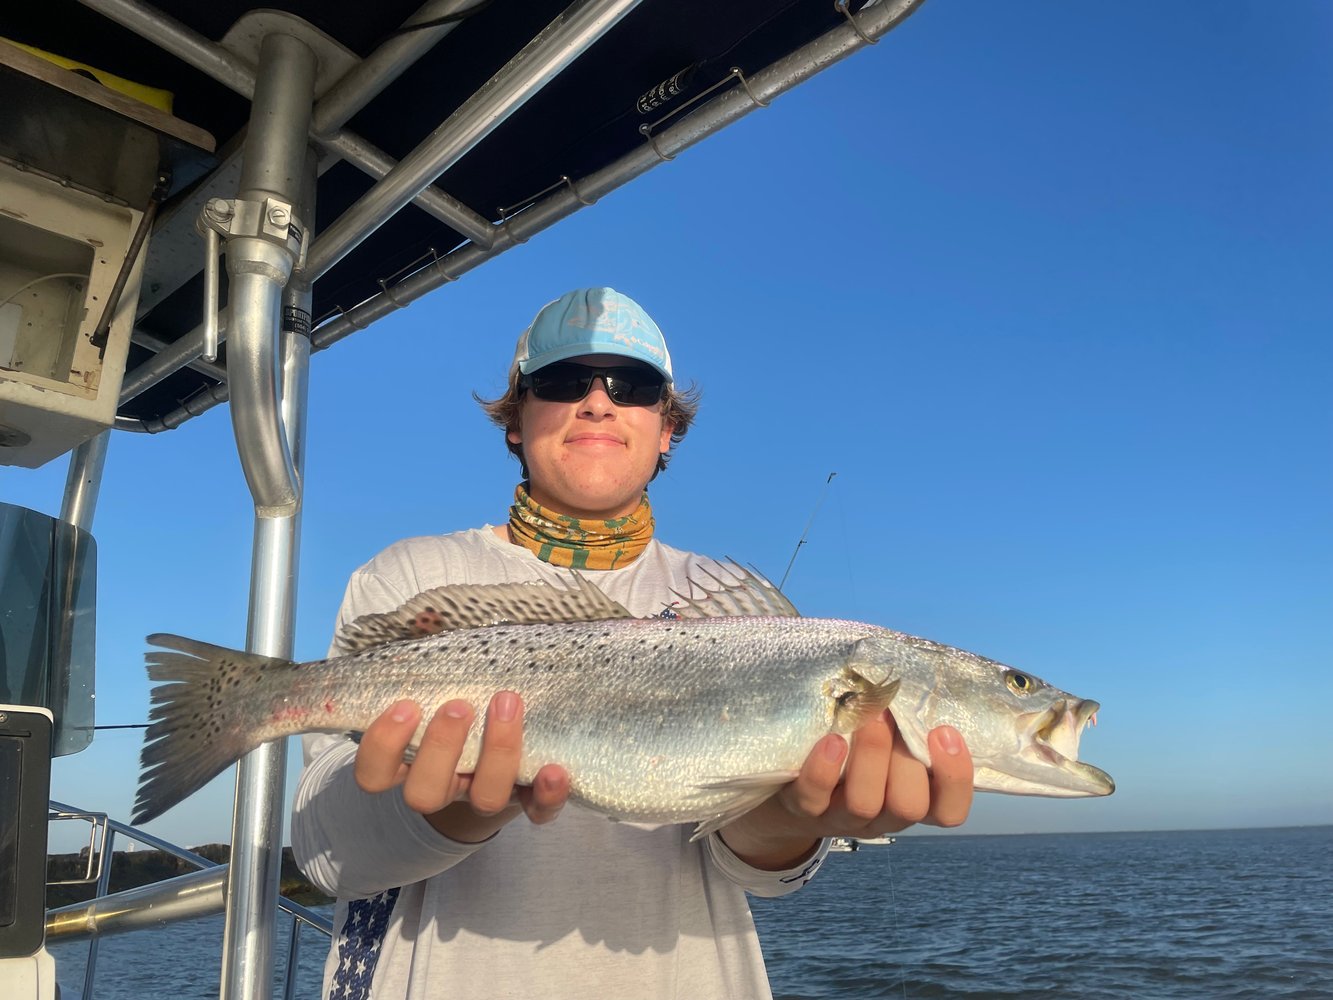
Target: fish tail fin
point(199, 722)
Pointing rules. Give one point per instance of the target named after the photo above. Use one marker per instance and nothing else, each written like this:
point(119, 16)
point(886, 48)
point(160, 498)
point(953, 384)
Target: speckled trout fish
point(696, 719)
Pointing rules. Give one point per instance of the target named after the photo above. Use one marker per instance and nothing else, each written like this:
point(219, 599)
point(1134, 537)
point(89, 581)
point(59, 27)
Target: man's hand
point(463, 807)
point(884, 790)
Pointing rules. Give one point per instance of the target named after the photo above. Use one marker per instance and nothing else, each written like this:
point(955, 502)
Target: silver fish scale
point(645, 714)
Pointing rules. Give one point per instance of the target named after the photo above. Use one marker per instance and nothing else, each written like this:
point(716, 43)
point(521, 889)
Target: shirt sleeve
point(352, 843)
point(760, 881)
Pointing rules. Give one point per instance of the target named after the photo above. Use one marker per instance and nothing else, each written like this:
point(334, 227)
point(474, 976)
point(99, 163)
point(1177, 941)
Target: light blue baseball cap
point(592, 321)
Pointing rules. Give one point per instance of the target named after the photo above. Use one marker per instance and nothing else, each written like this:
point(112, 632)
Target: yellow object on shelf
point(152, 96)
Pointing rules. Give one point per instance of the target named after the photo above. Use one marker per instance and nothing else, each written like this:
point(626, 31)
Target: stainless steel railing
point(198, 893)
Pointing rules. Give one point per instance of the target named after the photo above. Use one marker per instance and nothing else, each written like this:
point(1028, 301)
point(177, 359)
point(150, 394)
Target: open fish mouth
point(1055, 737)
point(1057, 730)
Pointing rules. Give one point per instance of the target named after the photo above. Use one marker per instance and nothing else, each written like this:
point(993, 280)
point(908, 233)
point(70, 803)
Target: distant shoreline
point(131, 869)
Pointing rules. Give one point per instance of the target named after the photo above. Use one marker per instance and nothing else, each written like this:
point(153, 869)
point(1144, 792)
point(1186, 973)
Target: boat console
point(47, 591)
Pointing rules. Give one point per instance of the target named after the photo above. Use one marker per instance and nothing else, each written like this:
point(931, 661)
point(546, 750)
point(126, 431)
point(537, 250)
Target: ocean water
point(1205, 915)
point(1208, 915)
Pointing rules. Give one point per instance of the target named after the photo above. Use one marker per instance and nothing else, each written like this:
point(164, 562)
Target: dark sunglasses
point(565, 382)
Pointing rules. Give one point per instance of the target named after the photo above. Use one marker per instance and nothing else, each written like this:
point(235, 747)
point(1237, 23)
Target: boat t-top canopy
point(446, 133)
point(343, 159)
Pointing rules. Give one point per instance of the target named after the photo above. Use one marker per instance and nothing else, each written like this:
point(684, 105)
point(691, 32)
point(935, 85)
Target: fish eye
point(1018, 683)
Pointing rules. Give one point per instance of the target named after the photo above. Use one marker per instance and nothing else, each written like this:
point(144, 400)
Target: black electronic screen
point(11, 780)
point(25, 777)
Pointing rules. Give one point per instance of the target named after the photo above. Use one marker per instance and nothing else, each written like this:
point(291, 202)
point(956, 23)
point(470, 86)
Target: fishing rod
point(809, 524)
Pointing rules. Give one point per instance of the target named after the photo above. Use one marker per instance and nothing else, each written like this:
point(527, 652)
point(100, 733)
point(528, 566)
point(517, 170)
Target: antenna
point(809, 524)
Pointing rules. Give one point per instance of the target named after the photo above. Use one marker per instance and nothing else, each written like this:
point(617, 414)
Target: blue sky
point(1047, 285)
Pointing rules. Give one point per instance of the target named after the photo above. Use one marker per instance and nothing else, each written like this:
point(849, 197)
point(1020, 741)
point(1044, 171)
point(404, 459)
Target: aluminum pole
point(185, 897)
point(258, 269)
point(368, 78)
point(247, 969)
point(373, 161)
point(84, 482)
point(104, 849)
point(170, 359)
point(73, 636)
point(536, 64)
point(186, 44)
point(201, 893)
point(267, 366)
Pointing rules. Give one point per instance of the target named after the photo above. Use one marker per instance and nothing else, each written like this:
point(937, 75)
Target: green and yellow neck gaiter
point(579, 543)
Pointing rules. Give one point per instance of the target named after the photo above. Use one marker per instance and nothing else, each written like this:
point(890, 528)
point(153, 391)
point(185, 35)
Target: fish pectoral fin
point(459, 606)
point(750, 789)
point(772, 780)
point(736, 811)
point(860, 700)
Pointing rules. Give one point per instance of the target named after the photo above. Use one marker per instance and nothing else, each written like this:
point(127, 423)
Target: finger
point(432, 782)
point(379, 759)
point(810, 793)
point(868, 769)
point(907, 796)
point(501, 748)
point(951, 777)
point(548, 794)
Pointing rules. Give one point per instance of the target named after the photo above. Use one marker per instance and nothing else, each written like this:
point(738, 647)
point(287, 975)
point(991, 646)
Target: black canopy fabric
point(585, 119)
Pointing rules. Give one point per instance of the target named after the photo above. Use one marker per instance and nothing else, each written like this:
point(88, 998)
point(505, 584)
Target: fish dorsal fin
point(479, 605)
point(748, 594)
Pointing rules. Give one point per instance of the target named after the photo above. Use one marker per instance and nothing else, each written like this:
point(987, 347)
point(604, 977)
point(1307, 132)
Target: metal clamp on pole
point(270, 220)
point(213, 223)
point(844, 8)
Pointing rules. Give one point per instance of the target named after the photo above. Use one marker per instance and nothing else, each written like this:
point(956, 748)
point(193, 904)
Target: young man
point(443, 889)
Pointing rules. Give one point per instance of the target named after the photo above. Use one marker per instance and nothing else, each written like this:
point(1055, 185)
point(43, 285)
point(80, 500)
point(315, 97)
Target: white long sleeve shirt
point(580, 907)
